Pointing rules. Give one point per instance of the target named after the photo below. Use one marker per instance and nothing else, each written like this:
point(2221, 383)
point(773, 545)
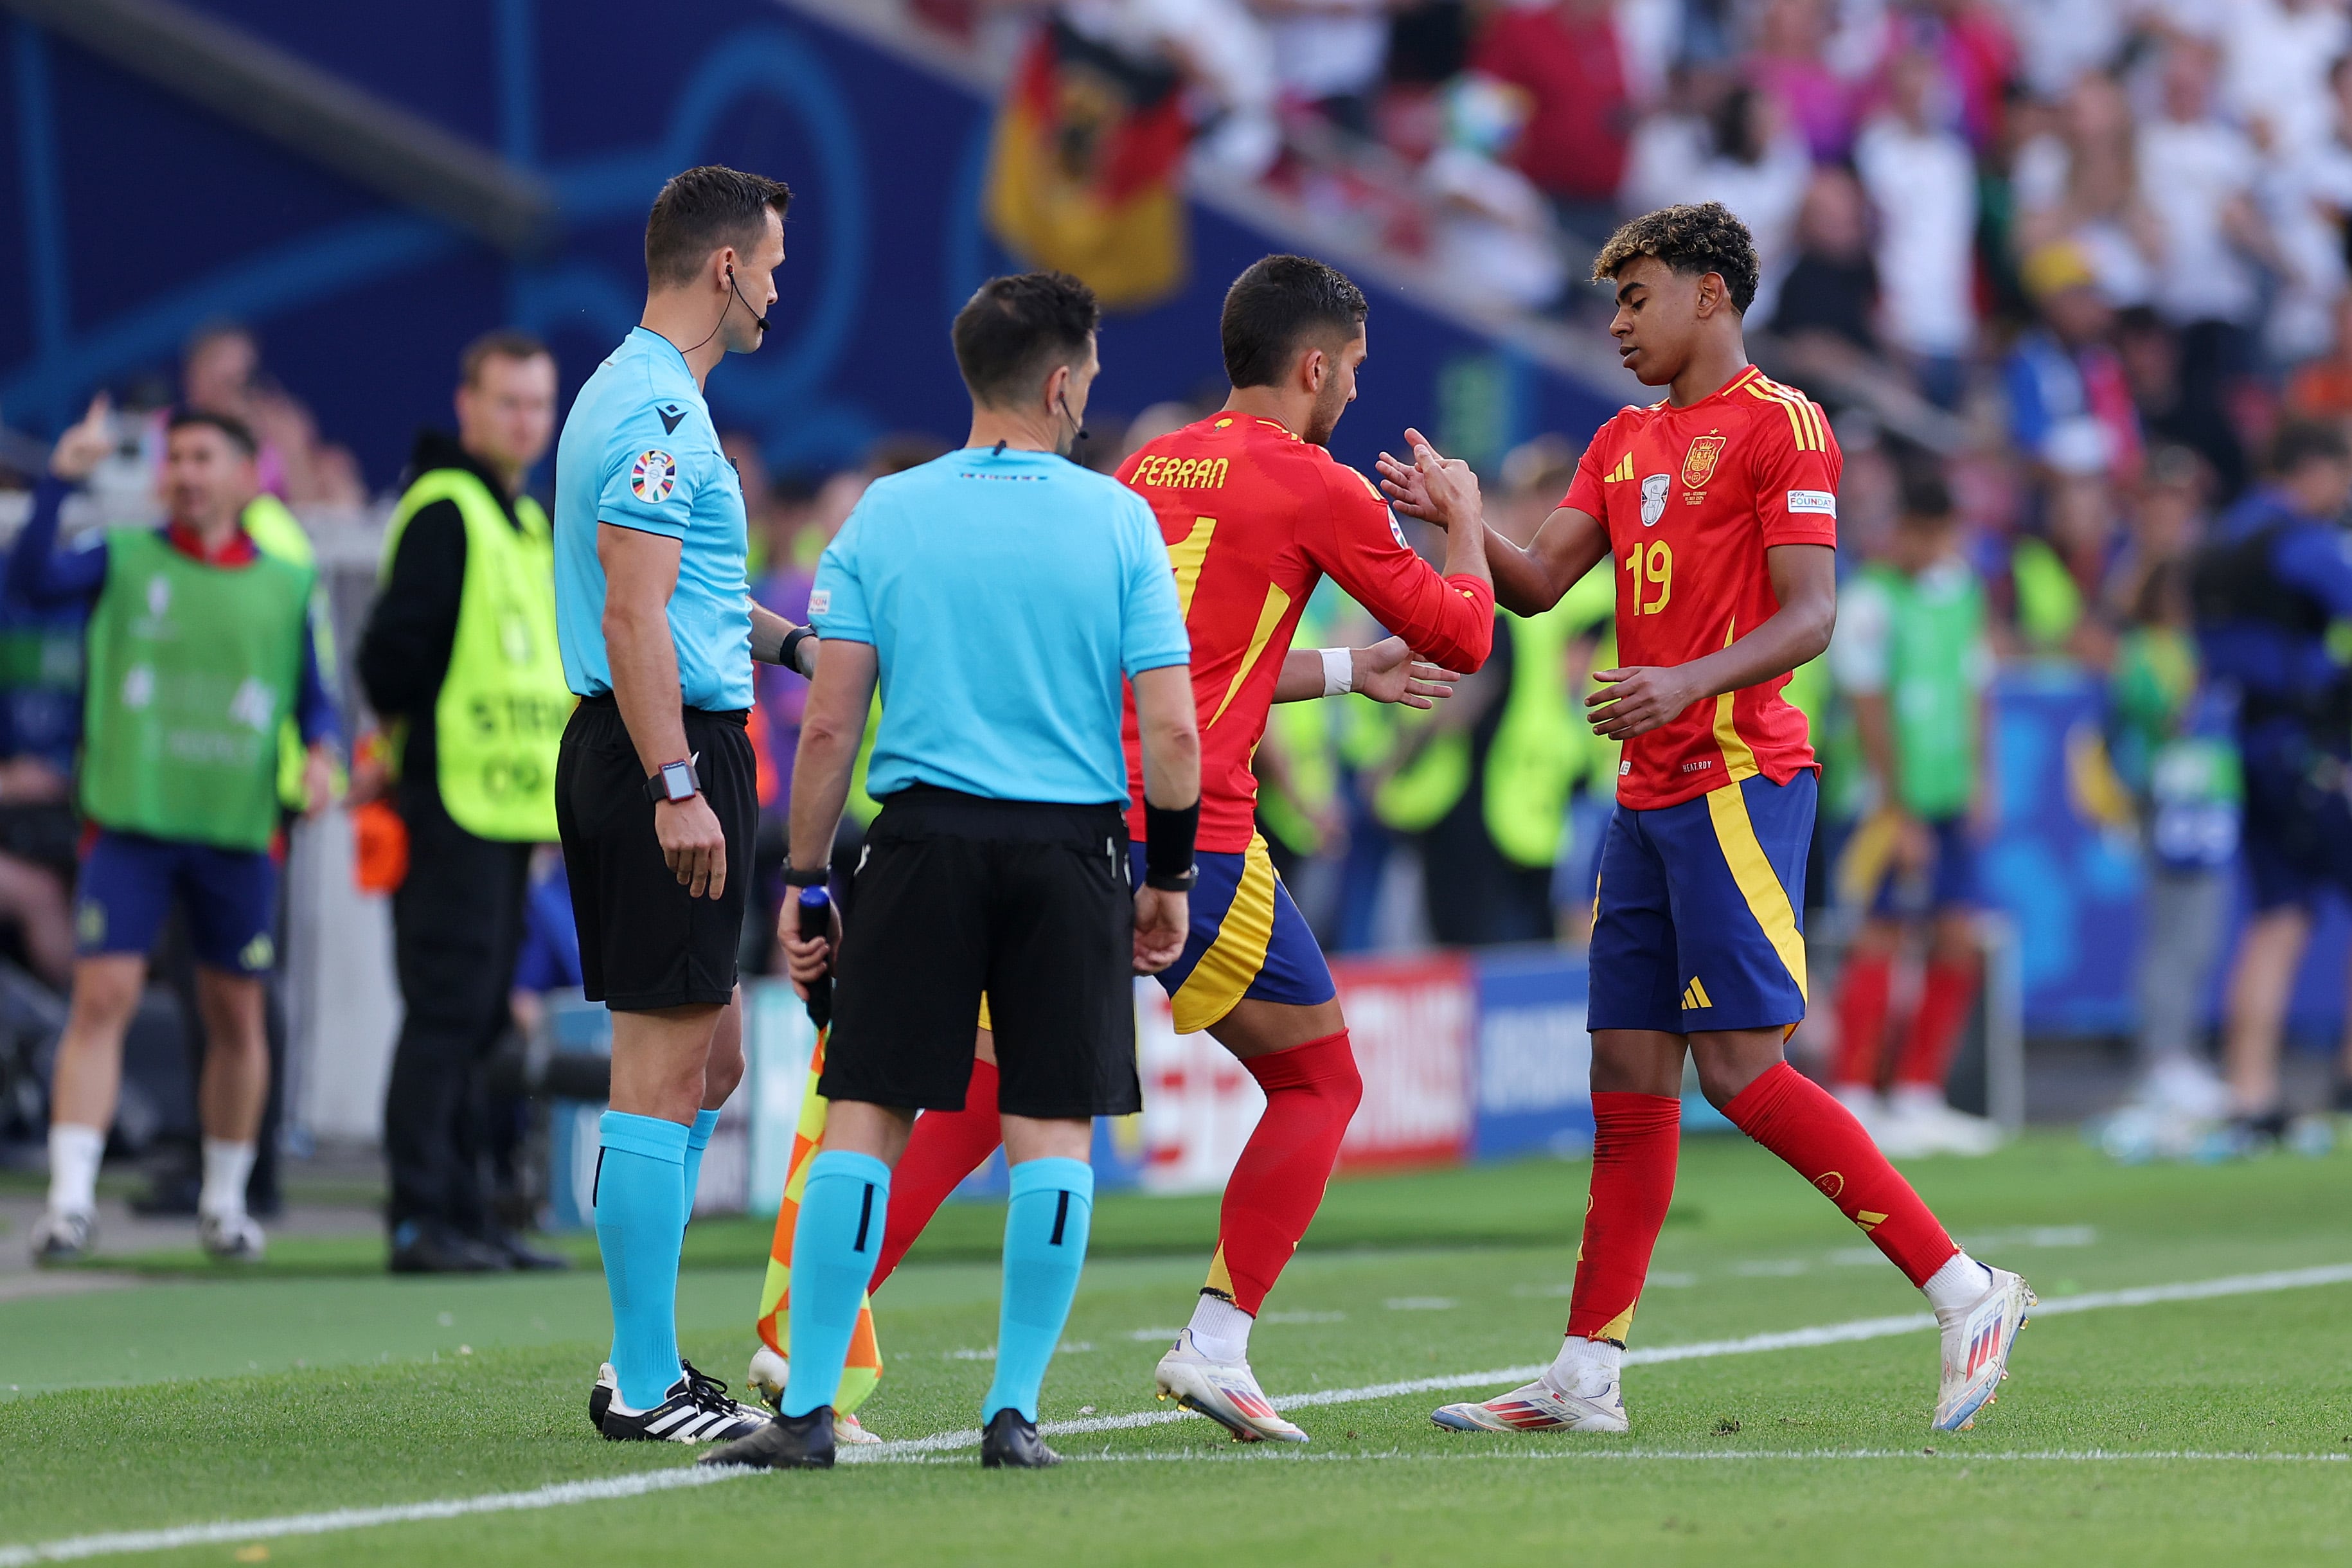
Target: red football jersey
point(1692, 499)
point(1253, 518)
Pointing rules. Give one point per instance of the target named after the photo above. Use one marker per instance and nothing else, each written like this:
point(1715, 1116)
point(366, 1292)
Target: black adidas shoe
point(1012, 1442)
point(784, 1443)
point(600, 1396)
point(697, 1410)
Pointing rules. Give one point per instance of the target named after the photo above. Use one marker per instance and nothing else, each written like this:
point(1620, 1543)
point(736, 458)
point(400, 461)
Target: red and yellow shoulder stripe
point(1806, 421)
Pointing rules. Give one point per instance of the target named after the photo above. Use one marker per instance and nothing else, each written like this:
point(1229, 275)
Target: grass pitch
point(2176, 1431)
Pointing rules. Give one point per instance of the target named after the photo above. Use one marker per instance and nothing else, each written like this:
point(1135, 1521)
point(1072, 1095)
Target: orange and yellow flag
point(862, 1370)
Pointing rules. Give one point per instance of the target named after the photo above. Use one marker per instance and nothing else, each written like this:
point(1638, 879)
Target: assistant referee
point(1002, 595)
point(655, 788)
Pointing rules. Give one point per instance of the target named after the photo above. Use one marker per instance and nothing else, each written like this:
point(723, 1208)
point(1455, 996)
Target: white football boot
point(63, 1235)
point(231, 1237)
point(1977, 1342)
point(1579, 1392)
point(767, 1377)
point(1226, 1392)
point(1920, 1122)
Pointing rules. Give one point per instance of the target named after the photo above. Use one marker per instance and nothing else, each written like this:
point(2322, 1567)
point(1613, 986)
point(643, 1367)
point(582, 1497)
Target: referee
point(655, 793)
point(1001, 594)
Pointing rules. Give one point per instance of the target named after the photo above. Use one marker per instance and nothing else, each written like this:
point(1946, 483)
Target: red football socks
point(1311, 1093)
point(1946, 995)
point(1635, 1138)
point(1862, 1018)
point(945, 1147)
point(1805, 1125)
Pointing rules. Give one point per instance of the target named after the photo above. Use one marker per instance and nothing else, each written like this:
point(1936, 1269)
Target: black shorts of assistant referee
point(1029, 902)
point(643, 941)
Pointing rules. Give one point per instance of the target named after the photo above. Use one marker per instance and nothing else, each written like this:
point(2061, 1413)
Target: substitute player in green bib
point(1911, 654)
point(199, 645)
point(461, 660)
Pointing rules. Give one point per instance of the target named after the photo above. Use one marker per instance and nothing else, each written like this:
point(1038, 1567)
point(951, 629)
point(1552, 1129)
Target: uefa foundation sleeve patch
point(653, 477)
point(1821, 501)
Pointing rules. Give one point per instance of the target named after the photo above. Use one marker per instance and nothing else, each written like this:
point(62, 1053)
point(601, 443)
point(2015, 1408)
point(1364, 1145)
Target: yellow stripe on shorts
point(1768, 900)
point(1237, 955)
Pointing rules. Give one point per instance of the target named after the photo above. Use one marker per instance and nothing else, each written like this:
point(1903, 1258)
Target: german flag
point(1085, 174)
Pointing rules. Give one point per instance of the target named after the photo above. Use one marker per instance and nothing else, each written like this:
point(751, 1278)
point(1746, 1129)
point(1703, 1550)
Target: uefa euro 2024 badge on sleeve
point(653, 477)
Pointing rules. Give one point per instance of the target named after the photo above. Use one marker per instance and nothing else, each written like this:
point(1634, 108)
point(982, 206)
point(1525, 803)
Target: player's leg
point(1920, 1117)
point(2285, 846)
point(230, 898)
point(1062, 996)
point(1253, 977)
point(125, 890)
point(894, 1047)
point(1743, 863)
point(947, 1146)
point(1637, 1007)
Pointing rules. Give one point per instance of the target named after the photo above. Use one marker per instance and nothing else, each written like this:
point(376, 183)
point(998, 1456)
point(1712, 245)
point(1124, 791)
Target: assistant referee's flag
point(862, 1370)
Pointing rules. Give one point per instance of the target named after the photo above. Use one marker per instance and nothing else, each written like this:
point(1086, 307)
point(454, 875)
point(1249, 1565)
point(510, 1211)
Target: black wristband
point(814, 877)
point(1167, 835)
point(789, 655)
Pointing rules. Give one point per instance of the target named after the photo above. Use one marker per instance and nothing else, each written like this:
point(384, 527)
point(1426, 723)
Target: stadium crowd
point(2072, 277)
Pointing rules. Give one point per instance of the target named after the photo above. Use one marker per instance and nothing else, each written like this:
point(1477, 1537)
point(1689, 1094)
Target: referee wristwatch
point(674, 781)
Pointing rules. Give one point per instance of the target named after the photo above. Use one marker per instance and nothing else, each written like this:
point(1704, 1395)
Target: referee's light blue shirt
point(1005, 595)
point(638, 451)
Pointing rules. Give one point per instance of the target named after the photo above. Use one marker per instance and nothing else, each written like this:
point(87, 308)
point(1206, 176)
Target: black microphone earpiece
point(757, 320)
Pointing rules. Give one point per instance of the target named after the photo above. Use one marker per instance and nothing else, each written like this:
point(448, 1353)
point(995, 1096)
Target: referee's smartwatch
point(673, 782)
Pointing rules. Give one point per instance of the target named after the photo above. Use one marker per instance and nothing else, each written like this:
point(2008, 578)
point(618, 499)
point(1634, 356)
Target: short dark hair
point(1015, 332)
point(1277, 301)
point(1926, 496)
point(1694, 239)
point(505, 343)
point(702, 209)
point(2301, 441)
point(239, 435)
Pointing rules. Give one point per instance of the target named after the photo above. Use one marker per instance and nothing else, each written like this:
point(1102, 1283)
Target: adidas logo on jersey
point(1623, 471)
point(1695, 995)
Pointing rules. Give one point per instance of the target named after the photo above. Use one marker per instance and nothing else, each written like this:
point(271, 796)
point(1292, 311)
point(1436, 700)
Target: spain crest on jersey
point(1698, 463)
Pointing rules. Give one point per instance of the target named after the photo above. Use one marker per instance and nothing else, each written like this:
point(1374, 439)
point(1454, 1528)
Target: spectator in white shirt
point(2079, 186)
point(1923, 183)
point(2275, 55)
point(1330, 53)
point(2197, 175)
point(1743, 153)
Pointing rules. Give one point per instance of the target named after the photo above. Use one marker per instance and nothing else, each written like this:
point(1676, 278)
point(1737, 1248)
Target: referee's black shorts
point(1029, 902)
point(643, 941)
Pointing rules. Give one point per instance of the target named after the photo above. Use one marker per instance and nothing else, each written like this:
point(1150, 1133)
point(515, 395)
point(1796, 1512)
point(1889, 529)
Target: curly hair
point(1694, 239)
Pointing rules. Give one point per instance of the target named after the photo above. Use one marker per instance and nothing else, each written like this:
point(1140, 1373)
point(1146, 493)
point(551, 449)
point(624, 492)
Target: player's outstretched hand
point(808, 960)
point(1161, 920)
point(1434, 488)
point(86, 444)
point(1636, 701)
point(693, 846)
point(1386, 672)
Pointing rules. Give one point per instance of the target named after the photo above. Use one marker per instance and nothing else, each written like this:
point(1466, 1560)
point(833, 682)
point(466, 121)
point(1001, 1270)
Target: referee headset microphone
point(757, 320)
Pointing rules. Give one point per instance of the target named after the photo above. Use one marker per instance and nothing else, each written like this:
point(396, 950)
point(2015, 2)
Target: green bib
point(1935, 642)
point(503, 705)
point(192, 668)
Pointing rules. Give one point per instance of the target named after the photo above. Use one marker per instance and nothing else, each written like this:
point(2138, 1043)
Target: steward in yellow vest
point(460, 663)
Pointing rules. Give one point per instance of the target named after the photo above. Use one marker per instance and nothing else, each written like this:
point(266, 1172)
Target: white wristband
point(1338, 670)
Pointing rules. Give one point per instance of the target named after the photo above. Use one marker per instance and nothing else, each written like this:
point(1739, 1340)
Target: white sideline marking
point(916, 1449)
point(1288, 1455)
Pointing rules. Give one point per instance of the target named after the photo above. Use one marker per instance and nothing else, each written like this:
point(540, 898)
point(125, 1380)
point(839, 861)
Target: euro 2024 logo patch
point(1654, 500)
point(1698, 463)
point(654, 476)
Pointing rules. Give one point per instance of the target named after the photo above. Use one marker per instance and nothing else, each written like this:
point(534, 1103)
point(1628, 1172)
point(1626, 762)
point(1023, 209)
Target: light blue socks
point(640, 1220)
point(1046, 1227)
point(844, 1204)
point(697, 1139)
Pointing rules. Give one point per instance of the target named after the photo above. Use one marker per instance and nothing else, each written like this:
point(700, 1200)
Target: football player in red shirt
point(1718, 506)
point(1256, 511)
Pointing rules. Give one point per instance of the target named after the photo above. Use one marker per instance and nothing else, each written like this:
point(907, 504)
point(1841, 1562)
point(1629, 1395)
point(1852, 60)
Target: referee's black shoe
point(785, 1443)
point(695, 1410)
point(1012, 1442)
